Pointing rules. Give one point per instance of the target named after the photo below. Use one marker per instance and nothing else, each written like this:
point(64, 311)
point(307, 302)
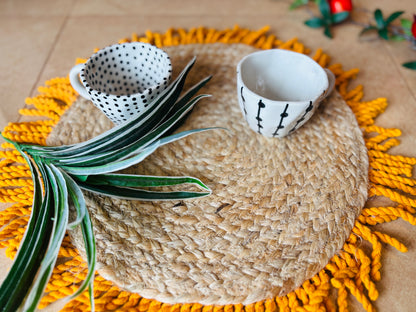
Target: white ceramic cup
point(279, 90)
point(123, 79)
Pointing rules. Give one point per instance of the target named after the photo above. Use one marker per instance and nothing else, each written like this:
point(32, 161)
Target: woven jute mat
point(280, 208)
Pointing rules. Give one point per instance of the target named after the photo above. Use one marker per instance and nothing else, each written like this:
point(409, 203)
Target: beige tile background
point(41, 39)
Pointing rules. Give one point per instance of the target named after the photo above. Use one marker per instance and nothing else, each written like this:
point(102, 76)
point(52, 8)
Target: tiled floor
point(41, 39)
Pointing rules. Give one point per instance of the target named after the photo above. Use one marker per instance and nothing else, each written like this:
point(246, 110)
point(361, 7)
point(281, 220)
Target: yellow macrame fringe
point(352, 270)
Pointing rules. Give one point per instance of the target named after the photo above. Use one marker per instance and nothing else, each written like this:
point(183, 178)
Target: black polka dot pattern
point(124, 79)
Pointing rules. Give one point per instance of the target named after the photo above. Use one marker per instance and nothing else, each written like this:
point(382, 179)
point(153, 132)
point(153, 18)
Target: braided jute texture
point(280, 208)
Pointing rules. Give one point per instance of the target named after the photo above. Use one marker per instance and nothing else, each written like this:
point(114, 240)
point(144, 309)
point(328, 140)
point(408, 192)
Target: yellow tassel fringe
point(351, 271)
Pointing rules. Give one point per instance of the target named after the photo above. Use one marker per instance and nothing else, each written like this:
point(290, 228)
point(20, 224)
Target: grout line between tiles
point(388, 49)
point(57, 36)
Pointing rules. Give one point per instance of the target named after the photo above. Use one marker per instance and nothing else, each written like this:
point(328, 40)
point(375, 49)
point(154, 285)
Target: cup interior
point(282, 75)
point(125, 69)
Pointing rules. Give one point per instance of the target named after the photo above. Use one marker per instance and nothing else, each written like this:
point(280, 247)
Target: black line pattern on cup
point(258, 118)
point(282, 116)
point(301, 119)
point(244, 102)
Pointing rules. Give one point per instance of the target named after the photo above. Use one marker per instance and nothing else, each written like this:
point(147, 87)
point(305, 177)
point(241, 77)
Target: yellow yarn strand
point(351, 271)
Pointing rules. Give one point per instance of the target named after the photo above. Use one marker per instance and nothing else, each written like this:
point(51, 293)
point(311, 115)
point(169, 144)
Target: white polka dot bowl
point(122, 80)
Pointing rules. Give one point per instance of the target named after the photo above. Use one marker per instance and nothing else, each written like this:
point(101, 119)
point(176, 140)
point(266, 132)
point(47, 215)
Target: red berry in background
point(414, 26)
point(337, 6)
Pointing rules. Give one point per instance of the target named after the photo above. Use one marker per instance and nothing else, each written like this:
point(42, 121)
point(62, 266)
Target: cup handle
point(331, 84)
point(76, 83)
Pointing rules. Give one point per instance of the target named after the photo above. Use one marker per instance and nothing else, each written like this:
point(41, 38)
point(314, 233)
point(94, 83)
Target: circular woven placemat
point(280, 208)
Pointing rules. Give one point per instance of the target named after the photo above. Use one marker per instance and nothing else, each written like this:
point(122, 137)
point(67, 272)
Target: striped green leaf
point(137, 194)
point(59, 193)
point(133, 160)
point(130, 180)
point(128, 130)
point(90, 165)
point(31, 252)
point(134, 147)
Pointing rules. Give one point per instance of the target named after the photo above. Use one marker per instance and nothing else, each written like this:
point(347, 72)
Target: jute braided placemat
point(280, 208)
